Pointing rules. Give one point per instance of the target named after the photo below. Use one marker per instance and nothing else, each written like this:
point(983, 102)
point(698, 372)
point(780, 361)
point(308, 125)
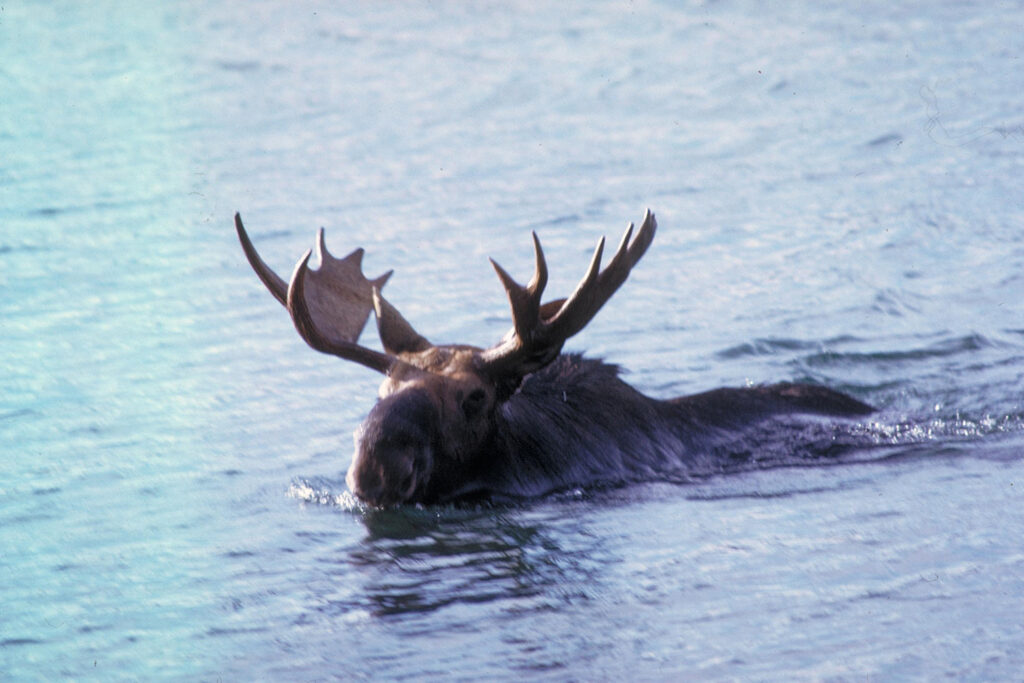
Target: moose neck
point(576, 422)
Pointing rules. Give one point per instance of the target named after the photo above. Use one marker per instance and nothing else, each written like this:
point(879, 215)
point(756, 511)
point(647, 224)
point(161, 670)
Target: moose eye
point(474, 403)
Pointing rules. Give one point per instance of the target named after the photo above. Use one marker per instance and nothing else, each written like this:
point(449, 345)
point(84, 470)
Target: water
point(839, 199)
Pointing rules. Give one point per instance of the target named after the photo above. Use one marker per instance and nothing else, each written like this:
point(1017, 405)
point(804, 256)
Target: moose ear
point(396, 334)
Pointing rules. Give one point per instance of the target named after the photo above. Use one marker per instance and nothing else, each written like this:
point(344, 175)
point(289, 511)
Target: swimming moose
point(519, 419)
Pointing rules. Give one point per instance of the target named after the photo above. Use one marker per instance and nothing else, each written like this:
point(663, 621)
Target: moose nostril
point(408, 482)
point(369, 491)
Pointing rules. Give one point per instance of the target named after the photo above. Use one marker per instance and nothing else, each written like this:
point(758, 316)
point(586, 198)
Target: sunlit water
point(840, 202)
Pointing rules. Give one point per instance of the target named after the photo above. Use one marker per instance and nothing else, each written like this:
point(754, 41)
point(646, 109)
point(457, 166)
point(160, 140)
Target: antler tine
point(540, 275)
point(644, 237)
point(628, 254)
point(277, 286)
point(575, 312)
point(297, 307)
point(397, 335)
point(620, 258)
point(592, 294)
point(524, 301)
point(538, 339)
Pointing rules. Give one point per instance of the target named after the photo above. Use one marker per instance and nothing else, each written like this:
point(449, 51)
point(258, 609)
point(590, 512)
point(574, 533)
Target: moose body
point(575, 423)
point(520, 418)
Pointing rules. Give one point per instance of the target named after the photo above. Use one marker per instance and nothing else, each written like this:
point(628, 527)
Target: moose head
point(439, 407)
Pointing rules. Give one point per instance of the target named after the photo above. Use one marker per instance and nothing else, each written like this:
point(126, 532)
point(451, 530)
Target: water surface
point(839, 199)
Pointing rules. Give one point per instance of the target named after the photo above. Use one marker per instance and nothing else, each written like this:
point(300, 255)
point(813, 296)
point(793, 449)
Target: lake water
point(839, 194)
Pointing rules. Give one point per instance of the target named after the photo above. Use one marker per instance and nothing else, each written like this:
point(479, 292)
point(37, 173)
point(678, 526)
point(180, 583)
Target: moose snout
point(393, 451)
point(389, 480)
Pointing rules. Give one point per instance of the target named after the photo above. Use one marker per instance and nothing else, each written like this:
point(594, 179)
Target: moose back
point(519, 418)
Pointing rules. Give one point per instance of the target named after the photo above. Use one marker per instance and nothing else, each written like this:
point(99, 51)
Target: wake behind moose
point(521, 418)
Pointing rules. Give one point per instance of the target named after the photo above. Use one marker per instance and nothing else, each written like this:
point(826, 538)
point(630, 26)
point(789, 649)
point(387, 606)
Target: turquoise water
point(839, 199)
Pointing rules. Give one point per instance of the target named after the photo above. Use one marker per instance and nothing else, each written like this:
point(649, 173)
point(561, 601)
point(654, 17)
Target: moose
point(519, 419)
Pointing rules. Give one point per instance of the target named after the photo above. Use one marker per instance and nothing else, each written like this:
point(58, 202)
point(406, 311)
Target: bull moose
point(520, 418)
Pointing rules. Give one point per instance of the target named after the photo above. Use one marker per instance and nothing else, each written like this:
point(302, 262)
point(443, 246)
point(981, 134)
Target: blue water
point(838, 189)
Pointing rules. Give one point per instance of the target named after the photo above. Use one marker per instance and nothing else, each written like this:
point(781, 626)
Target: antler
point(540, 331)
point(329, 306)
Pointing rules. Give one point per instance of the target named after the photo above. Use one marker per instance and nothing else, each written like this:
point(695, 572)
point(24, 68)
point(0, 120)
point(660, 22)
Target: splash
point(909, 431)
point(320, 493)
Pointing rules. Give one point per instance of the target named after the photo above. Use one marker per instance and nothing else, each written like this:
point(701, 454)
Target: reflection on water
point(415, 559)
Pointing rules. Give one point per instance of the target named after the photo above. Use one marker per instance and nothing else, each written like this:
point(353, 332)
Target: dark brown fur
point(574, 423)
point(520, 418)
